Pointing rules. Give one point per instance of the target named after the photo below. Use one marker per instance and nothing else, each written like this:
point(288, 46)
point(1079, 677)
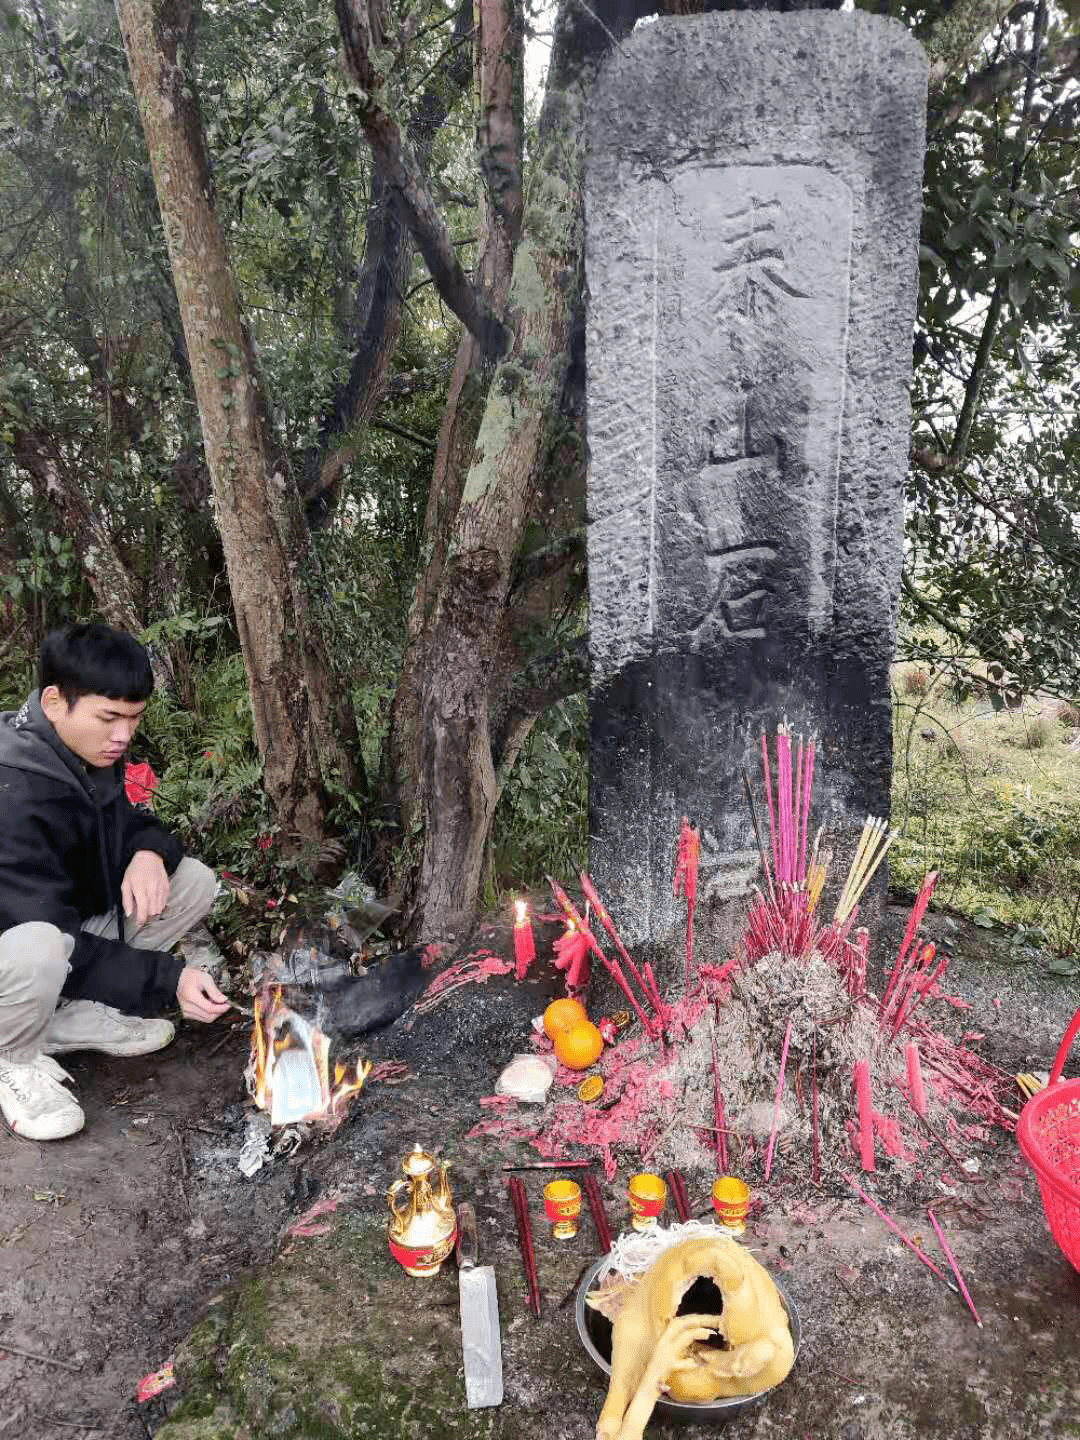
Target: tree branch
point(542, 683)
point(956, 37)
point(982, 86)
point(425, 441)
point(929, 608)
point(499, 134)
point(363, 56)
point(973, 389)
point(377, 310)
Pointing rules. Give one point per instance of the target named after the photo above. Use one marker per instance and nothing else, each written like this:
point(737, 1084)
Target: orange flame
point(289, 1070)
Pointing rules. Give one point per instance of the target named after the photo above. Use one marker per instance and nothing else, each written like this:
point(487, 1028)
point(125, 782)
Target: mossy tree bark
point(496, 434)
point(302, 721)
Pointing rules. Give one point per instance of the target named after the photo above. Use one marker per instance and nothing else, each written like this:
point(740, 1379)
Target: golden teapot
point(423, 1226)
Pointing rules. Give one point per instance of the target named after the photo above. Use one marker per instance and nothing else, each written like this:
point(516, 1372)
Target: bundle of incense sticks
point(520, 1203)
point(651, 1026)
point(906, 952)
point(873, 844)
point(677, 1185)
point(789, 815)
point(599, 1214)
point(924, 976)
point(785, 924)
point(866, 1114)
point(645, 982)
point(853, 960)
point(687, 861)
point(815, 875)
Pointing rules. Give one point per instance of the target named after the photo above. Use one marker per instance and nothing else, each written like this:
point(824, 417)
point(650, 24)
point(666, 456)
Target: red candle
point(572, 955)
point(916, 1088)
point(524, 945)
point(866, 1115)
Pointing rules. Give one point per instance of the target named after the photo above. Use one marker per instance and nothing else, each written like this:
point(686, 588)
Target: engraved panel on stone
point(755, 400)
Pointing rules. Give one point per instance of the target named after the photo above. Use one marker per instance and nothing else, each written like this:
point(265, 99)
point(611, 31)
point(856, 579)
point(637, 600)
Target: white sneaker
point(34, 1101)
point(89, 1025)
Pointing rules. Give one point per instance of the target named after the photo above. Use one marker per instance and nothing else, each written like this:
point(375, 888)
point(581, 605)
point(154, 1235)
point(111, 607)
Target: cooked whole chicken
point(655, 1351)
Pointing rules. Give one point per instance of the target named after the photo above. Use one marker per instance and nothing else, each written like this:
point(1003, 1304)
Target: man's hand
point(145, 891)
point(199, 998)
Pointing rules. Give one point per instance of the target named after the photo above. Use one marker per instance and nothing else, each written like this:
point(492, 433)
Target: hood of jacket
point(29, 742)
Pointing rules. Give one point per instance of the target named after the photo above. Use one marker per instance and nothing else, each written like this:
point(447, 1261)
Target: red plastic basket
point(1049, 1135)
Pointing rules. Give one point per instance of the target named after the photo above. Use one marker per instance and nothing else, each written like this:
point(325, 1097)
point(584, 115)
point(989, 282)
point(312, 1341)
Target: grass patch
point(991, 800)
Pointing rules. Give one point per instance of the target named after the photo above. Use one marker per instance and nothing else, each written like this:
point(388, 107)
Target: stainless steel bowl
point(592, 1326)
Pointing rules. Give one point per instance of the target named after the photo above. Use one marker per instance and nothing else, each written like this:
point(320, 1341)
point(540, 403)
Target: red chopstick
point(528, 1255)
point(599, 1214)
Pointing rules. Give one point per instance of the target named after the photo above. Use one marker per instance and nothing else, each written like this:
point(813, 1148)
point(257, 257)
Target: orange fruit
point(590, 1089)
point(561, 1015)
point(579, 1047)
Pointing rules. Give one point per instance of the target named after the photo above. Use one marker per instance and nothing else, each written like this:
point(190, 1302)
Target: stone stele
point(752, 220)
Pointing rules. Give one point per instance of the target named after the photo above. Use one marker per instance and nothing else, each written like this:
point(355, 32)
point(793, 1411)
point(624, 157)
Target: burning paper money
point(288, 1074)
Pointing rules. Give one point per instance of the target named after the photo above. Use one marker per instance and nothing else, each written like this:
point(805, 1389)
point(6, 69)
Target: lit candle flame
point(521, 910)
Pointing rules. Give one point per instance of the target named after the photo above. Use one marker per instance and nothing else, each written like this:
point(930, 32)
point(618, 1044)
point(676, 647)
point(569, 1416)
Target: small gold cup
point(562, 1205)
point(731, 1201)
point(647, 1194)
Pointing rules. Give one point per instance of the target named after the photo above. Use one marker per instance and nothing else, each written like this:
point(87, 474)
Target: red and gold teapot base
point(422, 1261)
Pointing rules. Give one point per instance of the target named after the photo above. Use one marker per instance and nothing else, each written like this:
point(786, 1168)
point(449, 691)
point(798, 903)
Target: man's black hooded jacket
point(67, 834)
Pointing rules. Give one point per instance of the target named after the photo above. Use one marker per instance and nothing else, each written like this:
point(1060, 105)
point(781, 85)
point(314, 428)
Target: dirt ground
point(139, 1241)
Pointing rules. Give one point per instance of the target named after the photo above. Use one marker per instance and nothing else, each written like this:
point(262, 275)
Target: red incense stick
point(525, 1241)
point(599, 1214)
point(899, 1233)
point(552, 1165)
point(588, 889)
point(915, 1080)
point(776, 1104)
point(816, 1170)
point(866, 1114)
point(955, 1268)
point(613, 967)
point(678, 1194)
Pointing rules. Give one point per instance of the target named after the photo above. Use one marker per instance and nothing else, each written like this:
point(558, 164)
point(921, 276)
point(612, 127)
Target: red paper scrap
point(305, 1226)
point(154, 1383)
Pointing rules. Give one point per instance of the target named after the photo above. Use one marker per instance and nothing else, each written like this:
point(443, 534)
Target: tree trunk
point(298, 727)
point(457, 780)
point(498, 63)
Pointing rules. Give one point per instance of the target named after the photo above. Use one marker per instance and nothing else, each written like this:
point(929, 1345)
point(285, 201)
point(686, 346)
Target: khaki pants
point(34, 957)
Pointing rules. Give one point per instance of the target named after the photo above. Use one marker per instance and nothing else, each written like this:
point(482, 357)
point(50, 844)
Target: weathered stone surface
point(753, 200)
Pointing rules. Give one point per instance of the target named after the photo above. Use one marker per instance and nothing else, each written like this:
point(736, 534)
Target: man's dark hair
point(95, 660)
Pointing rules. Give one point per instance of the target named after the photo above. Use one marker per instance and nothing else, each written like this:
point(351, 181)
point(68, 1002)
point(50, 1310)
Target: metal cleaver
point(481, 1342)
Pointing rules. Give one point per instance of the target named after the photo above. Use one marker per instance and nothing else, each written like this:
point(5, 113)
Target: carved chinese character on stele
point(752, 208)
point(755, 401)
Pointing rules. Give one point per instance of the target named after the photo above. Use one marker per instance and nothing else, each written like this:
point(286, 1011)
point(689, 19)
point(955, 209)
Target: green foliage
point(992, 541)
point(542, 822)
point(999, 821)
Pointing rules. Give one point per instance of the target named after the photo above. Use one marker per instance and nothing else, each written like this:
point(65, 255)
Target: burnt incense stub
point(751, 255)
